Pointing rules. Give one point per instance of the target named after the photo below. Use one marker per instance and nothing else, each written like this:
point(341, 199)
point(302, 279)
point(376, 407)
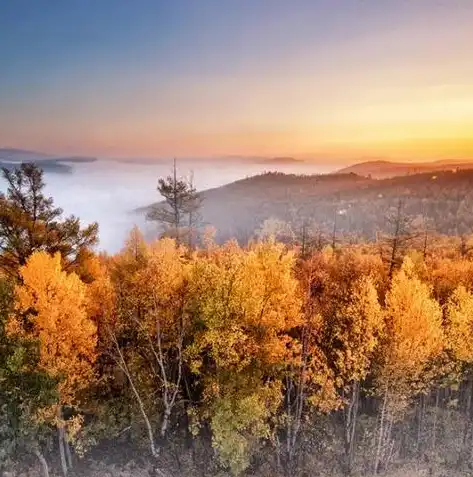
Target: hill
point(386, 169)
point(10, 158)
point(21, 155)
point(358, 204)
point(48, 165)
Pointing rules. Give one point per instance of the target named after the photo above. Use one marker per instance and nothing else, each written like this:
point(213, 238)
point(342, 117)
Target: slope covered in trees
point(357, 204)
point(263, 359)
point(384, 169)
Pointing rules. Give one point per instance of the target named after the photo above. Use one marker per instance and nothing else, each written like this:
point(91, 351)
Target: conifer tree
point(179, 214)
point(30, 222)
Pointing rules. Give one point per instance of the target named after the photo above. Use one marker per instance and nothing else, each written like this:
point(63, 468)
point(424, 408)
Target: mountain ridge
point(383, 169)
point(239, 208)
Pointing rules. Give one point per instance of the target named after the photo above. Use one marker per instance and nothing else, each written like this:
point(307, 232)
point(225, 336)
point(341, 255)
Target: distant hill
point(21, 155)
point(359, 203)
point(75, 159)
point(283, 160)
point(48, 165)
point(11, 158)
point(279, 160)
point(386, 169)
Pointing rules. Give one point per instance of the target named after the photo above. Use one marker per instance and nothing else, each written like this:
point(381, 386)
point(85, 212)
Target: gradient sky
point(316, 78)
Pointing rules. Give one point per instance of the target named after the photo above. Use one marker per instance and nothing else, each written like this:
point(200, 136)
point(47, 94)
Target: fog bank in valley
point(109, 191)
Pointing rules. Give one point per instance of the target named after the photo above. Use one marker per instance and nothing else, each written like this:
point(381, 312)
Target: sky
point(319, 79)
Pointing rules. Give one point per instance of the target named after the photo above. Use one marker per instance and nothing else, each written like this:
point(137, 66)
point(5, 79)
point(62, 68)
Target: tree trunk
point(466, 430)
point(165, 423)
point(350, 428)
point(62, 452)
point(42, 460)
point(122, 364)
point(381, 432)
point(61, 441)
point(353, 427)
point(67, 447)
point(434, 430)
point(420, 425)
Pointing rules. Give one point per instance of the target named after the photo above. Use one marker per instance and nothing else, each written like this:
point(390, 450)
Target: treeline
point(356, 205)
point(229, 360)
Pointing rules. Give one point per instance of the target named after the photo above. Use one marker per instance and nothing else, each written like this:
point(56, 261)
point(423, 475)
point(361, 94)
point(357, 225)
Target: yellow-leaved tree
point(413, 338)
point(51, 309)
point(355, 331)
point(458, 343)
point(149, 327)
point(459, 325)
point(247, 302)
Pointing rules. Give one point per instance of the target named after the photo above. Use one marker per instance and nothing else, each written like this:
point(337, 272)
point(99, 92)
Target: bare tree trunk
point(350, 427)
point(123, 366)
point(165, 423)
point(436, 409)
point(467, 427)
point(295, 397)
point(381, 432)
point(67, 447)
point(62, 453)
point(420, 424)
point(61, 440)
point(42, 460)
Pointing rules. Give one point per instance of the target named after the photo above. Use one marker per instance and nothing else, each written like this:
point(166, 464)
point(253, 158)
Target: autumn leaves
point(249, 343)
point(237, 352)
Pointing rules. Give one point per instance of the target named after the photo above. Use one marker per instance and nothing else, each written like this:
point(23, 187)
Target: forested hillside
point(358, 205)
point(384, 169)
point(182, 357)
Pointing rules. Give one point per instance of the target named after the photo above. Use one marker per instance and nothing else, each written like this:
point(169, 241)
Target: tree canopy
point(30, 222)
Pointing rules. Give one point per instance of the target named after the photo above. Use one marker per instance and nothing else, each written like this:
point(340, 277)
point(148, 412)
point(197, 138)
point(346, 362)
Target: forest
point(442, 200)
point(309, 356)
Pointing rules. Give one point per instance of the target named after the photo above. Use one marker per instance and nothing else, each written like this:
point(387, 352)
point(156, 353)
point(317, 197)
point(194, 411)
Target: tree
point(413, 338)
point(24, 391)
point(459, 334)
point(247, 303)
point(459, 325)
point(51, 310)
point(29, 222)
point(194, 220)
point(275, 229)
point(179, 213)
point(355, 331)
point(147, 335)
point(341, 291)
point(401, 234)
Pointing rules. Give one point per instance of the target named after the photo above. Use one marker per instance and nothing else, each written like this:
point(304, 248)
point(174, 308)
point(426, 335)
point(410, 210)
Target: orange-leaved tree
point(340, 290)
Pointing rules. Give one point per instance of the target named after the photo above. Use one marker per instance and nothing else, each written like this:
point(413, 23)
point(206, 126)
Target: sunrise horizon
point(341, 80)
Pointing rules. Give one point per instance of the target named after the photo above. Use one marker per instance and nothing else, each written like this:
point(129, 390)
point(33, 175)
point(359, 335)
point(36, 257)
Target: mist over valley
point(109, 191)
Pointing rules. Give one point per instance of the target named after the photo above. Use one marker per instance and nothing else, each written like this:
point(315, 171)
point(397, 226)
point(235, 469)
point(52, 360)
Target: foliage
point(413, 336)
point(50, 307)
point(29, 222)
point(261, 359)
point(179, 214)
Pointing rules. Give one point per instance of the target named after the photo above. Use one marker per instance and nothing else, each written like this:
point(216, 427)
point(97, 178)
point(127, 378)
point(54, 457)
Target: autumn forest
point(188, 356)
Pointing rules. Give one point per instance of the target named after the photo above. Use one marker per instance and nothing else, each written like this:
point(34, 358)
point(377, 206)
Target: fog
point(109, 191)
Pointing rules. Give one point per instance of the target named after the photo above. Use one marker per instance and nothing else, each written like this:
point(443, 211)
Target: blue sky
point(117, 77)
